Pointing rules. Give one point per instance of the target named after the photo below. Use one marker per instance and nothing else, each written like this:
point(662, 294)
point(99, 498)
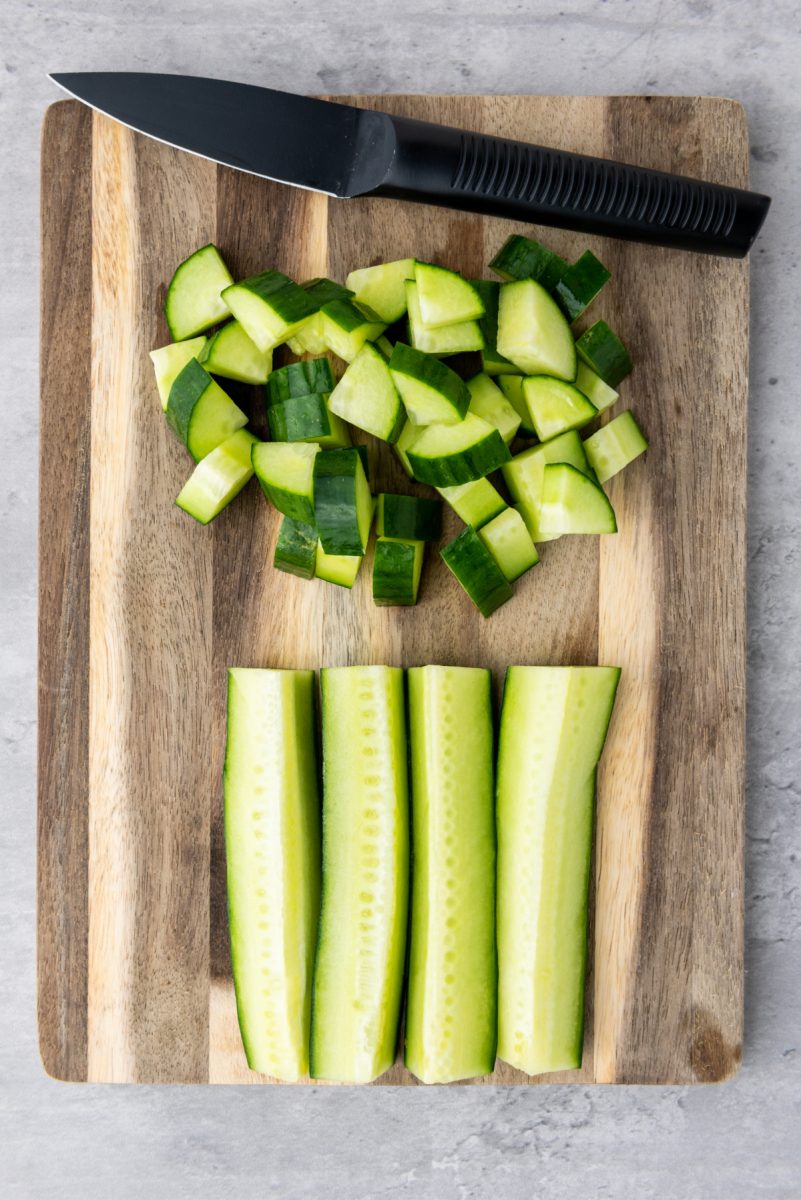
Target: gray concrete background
point(737, 1140)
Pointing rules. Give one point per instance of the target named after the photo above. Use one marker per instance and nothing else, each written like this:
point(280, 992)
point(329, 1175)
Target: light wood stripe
point(149, 662)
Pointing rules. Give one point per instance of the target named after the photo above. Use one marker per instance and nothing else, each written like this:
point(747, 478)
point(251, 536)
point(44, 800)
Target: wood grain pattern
point(134, 970)
point(63, 700)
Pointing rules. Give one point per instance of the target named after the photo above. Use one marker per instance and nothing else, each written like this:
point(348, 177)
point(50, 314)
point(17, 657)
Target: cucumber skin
point(580, 284)
point(523, 258)
point(473, 962)
point(192, 382)
point(477, 571)
point(185, 395)
point(293, 306)
point(299, 379)
point(464, 466)
point(296, 549)
point(294, 507)
point(394, 562)
point(335, 473)
point(300, 419)
point(412, 518)
point(602, 350)
point(422, 368)
point(339, 761)
point(322, 290)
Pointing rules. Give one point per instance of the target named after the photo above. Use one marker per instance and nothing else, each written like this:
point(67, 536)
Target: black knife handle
point(451, 167)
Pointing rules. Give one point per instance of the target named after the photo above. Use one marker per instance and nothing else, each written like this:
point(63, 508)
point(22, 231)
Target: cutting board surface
point(142, 610)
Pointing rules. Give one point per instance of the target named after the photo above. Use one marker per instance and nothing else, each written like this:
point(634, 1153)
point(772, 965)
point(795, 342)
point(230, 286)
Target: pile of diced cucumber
point(491, 915)
point(393, 325)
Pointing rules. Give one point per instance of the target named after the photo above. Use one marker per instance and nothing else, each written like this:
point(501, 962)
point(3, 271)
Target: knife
point(345, 152)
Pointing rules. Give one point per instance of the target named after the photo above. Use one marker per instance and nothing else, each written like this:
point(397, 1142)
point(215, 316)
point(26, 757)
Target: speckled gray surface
point(738, 1140)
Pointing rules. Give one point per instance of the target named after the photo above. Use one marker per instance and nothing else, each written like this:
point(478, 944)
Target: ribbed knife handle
point(472, 171)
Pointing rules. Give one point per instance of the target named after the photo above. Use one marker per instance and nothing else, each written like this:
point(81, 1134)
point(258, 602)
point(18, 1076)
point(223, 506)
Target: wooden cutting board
point(142, 610)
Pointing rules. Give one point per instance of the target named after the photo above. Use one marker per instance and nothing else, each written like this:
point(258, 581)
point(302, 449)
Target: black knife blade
point(345, 151)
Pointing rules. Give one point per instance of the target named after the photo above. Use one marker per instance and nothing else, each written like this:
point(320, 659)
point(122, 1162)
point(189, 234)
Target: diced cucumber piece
point(340, 569)
point(414, 518)
point(310, 339)
point(602, 350)
point(449, 339)
point(553, 726)
point(285, 471)
point(199, 412)
point(322, 290)
point(477, 571)
point(401, 447)
point(381, 287)
point(348, 325)
point(512, 388)
point(307, 419)
point(476, 502)
point(555, 406)
point(525, 474)
point(233, 355)
point(194, 302)
point(443, 455)
point(614, 446)
point(523, 258)
point(580, 284)
point(573, 503)
point(218, 478)
point(300, 379)
point(509, 543)
point(491, 361)
point(343, 506)
point(594, 388)
point(488, 402)
point(366, 396)
point(296, 548)
point(358, 972)
point(533, 331)
point(169, 361)
point(272, 850)
point(270, 306)
point(451, 1017)
point(384, 345)
point(444, 297)
point(431, 392)
point(397, 565)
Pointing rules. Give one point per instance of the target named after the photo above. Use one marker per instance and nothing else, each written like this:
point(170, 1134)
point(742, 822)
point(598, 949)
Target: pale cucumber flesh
point(451, 1006)
point(272, 844)
point(553, 726)
point(362, 941)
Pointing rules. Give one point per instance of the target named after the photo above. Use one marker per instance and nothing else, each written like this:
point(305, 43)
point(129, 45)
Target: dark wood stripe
point(65, 397)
